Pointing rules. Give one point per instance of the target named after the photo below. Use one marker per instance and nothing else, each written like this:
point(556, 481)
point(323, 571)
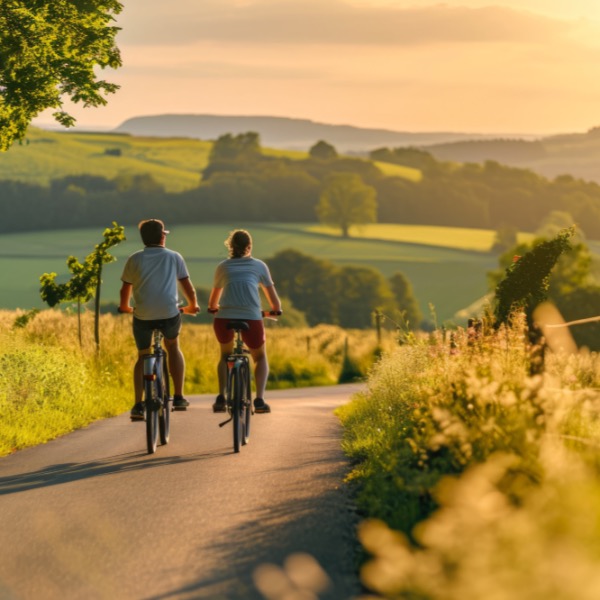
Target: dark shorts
point(253, 338)
point(142, 330)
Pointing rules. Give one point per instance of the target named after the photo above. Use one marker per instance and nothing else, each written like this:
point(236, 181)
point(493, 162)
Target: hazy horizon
point(505, 67)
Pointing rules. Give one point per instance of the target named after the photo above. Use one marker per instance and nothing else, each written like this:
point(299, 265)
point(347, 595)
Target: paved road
point(92, 516)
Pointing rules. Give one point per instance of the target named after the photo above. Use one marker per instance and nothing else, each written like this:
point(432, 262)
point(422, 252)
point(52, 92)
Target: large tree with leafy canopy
point(48, 53)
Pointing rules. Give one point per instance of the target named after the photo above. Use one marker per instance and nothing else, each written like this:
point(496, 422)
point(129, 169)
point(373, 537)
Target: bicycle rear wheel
point(247, 403)
point(236, 390)
point(151, 415)
point(164, 414)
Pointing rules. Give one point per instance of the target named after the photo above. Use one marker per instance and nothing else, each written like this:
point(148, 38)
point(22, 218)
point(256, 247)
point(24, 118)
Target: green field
point(443, 273)
point(45, 155)
point(176, 163)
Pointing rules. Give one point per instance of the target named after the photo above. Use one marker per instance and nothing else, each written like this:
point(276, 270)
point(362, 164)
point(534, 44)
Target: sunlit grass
point(463, 238)
point(478, 479)
point(49, 385)
point(176, 163)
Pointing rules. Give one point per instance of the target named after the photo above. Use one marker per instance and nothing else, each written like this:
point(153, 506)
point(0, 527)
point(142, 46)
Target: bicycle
point(238, 394)
point(156, 394)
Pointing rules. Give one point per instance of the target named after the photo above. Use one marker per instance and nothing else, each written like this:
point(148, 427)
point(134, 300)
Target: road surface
point(92, 516)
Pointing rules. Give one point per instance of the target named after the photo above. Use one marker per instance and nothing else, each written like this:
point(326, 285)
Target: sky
point(474, 66)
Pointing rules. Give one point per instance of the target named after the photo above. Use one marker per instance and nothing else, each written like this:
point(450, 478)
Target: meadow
point(176, 163)
point(446, 266)
point(50, 385)
point(475, 479)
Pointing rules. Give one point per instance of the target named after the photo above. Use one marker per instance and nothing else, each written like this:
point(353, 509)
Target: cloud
point(328, 22)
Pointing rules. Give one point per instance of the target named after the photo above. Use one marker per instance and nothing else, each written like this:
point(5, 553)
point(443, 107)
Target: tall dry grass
point(50, 384)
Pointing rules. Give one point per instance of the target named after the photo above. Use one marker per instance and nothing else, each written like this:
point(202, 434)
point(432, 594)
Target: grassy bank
point(477, 480)
point(50, 385)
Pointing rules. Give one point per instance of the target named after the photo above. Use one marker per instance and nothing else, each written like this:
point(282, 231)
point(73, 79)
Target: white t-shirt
point(240, 279)
point(154, 272)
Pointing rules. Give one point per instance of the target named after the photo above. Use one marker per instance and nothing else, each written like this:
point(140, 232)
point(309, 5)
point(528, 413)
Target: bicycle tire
point(151, 416)
point(247, 403)
point(164, 413)
point(236, 390)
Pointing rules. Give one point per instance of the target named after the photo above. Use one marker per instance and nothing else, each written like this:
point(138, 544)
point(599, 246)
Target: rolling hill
point(174, 162)
point(576, 154)
point(286, 133)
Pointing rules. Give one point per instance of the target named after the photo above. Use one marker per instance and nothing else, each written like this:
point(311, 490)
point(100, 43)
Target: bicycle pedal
point(179, 408)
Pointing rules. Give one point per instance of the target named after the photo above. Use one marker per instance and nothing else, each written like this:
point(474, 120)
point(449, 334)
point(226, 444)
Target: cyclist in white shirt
point(153, 276)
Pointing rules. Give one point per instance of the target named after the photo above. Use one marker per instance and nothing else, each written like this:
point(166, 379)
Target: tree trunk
point(97, 309)
point(79, 321)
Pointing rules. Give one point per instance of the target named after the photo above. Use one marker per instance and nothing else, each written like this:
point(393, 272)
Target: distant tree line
point(346, 296)
point(240, 180)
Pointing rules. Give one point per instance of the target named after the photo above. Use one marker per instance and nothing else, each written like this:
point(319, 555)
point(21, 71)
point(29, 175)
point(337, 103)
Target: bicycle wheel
point(247, 402)
point(151, 415)
point(236, 387)
point(164, 413)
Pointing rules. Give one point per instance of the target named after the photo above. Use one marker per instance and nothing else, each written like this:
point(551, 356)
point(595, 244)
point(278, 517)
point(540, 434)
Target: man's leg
point(137, 412)
point(176, 363)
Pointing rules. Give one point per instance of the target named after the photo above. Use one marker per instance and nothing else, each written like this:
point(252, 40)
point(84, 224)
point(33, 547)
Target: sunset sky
point(497, 66)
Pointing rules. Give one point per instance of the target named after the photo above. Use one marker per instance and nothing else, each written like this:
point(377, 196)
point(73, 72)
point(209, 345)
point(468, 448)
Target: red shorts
point(253, 338)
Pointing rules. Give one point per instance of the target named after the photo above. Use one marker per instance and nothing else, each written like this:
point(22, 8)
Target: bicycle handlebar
point(265, 313)
point(181, 310)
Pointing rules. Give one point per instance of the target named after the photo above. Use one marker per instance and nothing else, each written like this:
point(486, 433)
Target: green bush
point(458, 452)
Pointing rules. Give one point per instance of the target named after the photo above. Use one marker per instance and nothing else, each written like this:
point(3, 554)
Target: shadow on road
point(320, 525)
point(68, 472)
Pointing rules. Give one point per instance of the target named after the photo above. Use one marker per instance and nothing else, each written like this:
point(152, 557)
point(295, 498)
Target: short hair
point(238, 242)
point(152, 231)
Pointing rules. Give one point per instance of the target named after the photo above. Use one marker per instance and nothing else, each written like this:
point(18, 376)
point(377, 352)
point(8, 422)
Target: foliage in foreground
point(49, 52)
point(478, 480)
point(51, 385)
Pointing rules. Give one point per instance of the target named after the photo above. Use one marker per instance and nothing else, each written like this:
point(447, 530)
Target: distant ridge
point(286, 133)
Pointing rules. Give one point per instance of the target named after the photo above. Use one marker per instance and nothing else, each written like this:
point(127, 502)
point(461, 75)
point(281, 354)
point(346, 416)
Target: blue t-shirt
point(240, 279)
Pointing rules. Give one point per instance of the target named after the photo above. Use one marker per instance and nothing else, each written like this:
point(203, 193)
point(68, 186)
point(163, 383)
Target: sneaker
point(260, 406)
point(219, 404)
point(138, 412)
point(180, 403)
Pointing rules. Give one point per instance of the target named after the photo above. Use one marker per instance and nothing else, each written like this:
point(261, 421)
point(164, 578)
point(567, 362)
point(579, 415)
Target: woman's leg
point(261, 369)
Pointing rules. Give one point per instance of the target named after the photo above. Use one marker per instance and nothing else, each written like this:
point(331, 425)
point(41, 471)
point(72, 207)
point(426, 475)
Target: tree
point(48, 51)
point(406, 301)
point(310, 284)
point(345, 201)
point(235, 147)
point(362, 291)
point(527, 279)
point(86, 280)
point(323, 151)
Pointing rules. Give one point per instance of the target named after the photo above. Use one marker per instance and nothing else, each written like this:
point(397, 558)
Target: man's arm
point(189, 293)
point(125, 295)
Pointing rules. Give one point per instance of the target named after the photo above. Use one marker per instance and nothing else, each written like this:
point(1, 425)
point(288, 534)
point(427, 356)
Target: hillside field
point(447, 267)
point(176, 163)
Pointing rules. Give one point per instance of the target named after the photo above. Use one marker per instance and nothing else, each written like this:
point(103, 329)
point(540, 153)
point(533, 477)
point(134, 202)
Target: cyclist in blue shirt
point(235, 294)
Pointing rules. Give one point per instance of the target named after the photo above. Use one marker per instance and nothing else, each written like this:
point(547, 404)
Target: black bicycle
point(156, 394)
point(238, 394)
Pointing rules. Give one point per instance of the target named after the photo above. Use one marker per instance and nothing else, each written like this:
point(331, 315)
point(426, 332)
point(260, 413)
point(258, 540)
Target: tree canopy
point(48, 52)
point(345, 201)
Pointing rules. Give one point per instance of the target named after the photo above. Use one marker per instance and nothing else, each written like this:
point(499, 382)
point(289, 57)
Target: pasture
point(447, 267)
point(176, 163)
